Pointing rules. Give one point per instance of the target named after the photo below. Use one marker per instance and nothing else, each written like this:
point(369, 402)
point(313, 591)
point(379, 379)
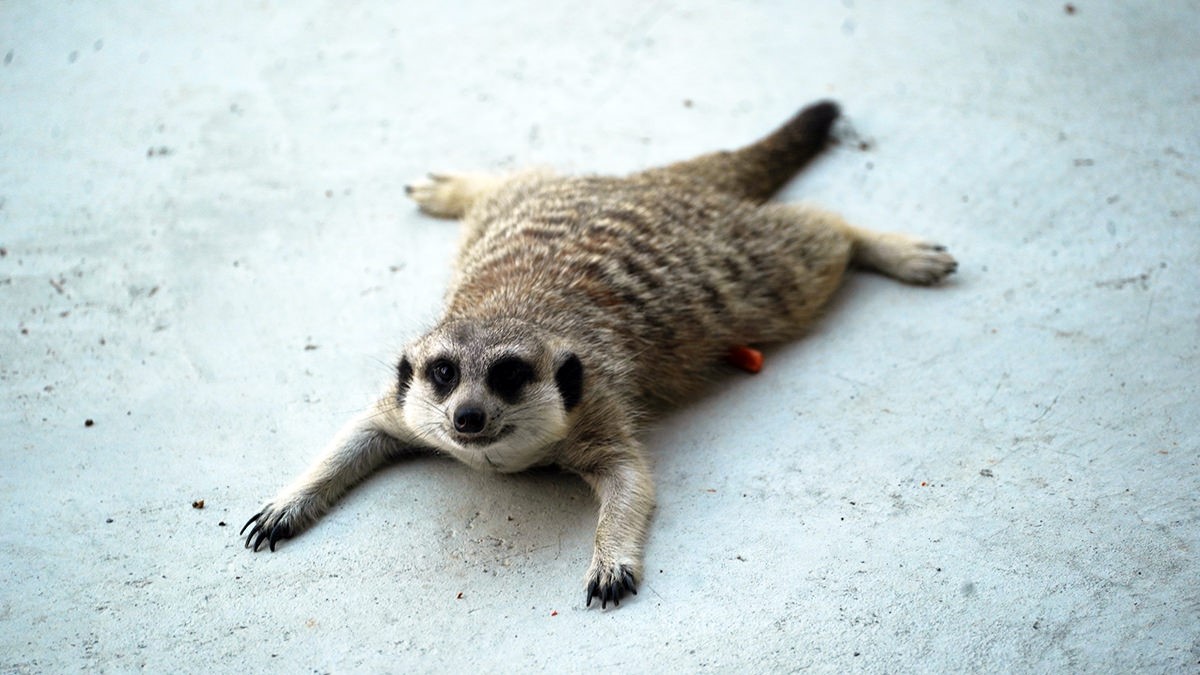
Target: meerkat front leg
point(358, 449)
point(626, 492)
point(451, 195)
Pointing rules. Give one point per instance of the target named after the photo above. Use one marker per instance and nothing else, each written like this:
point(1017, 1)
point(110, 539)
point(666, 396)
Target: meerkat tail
point(757, 171)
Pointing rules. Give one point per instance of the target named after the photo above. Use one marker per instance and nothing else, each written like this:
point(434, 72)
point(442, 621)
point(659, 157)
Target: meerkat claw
point(627, 578)
point(611, 589)
point(252, 519)
point(269, 528)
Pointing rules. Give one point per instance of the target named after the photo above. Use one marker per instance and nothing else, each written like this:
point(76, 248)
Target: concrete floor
point(206, 252)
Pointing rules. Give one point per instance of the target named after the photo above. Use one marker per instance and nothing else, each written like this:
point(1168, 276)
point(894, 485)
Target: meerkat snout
point(469, 419)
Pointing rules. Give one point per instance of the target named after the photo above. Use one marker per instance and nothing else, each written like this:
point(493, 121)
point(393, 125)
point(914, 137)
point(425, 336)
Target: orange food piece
point(748, 359)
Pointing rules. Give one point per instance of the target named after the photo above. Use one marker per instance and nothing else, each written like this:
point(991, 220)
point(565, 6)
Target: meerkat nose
point(469, 420)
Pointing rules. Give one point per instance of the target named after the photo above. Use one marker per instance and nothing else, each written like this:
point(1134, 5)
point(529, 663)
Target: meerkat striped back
point(668, 267)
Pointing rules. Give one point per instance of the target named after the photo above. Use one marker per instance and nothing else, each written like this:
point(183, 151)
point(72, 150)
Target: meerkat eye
point(443, 374)
point(508, 376)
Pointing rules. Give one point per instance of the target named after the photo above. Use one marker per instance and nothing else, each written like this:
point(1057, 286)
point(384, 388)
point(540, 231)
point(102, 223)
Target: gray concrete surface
point(206, 251)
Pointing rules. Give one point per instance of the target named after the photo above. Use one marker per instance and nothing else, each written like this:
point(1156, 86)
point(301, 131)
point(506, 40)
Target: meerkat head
point(493, 394)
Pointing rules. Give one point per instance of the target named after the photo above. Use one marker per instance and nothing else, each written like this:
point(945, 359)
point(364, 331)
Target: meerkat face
point(494, 395)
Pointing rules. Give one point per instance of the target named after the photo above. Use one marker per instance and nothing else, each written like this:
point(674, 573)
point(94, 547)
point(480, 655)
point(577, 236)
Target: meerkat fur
point(580, 303)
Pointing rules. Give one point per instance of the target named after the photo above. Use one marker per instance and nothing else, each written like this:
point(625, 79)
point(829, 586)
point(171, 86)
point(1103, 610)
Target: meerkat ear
point(404, 373)
point(569, 379)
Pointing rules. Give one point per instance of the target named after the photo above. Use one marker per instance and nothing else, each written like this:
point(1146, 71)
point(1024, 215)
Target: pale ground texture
point(207, 251)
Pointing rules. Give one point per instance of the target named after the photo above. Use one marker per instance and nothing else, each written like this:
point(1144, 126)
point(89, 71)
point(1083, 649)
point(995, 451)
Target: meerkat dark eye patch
point(443, 375)
point(507, 377)
point(569, 379)
point(404, 374)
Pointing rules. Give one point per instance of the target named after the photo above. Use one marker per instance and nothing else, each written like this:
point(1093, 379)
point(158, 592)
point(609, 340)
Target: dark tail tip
point(818, 118)
point(809, 129)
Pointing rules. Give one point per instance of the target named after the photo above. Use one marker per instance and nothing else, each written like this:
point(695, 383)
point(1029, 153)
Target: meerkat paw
point(609, 581)
point(281, 518)
point(449, 195)
point(906, 258)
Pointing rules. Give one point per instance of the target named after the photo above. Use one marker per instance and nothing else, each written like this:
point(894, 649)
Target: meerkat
point(579, 304)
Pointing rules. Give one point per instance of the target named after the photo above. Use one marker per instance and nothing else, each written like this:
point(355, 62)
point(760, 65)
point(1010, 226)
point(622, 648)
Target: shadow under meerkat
point(579, 304)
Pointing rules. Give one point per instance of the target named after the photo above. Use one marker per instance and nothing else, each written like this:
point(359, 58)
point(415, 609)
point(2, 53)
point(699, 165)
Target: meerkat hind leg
point(451, 195)
point(901, 256)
